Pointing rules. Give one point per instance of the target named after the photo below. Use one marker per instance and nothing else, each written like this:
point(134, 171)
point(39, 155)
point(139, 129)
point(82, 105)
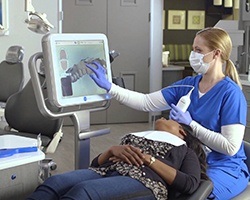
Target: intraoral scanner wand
point(185, 101)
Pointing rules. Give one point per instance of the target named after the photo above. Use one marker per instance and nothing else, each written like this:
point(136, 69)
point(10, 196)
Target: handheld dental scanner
point(185, 101)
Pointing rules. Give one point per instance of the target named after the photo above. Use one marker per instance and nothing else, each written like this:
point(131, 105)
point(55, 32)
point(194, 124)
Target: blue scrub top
point(224, 104)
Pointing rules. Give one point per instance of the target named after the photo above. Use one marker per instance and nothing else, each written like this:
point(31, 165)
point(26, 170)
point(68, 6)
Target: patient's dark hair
point(196, 145)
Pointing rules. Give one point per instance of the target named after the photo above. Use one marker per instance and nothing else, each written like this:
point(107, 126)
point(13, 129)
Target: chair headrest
point(14, 54)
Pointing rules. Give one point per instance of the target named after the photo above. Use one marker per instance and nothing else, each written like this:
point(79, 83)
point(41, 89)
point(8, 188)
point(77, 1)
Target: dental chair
point(11, 77)
point(25, 119)
point(203, 191)
point(23, 115)
point(245, 195)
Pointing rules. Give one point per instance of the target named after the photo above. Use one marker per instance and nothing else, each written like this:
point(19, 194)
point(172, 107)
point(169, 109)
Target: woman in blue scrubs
point(217, 113)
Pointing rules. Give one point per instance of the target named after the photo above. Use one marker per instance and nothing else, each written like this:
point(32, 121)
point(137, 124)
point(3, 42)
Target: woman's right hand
point(99, 75)
point(178, 115)
point(127, 153)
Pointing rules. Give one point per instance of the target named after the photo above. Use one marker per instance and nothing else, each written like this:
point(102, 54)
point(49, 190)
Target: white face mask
point(197, 63)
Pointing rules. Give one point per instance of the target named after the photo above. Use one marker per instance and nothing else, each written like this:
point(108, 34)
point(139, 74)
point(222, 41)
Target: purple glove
point(177, 115)
point(99, 75)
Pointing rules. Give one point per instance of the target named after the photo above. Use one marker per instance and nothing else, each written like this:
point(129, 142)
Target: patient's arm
point(139, 101)
point(126, 153)
point(187, 178)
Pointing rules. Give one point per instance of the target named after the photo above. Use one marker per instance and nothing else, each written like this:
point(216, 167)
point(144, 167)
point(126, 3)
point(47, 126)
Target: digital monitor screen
point(67, 77)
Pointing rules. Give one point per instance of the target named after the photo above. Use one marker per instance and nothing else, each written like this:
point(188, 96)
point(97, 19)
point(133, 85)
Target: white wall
point(19, 34)
point(156, 41)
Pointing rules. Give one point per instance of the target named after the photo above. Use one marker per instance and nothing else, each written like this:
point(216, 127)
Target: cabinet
point(171, 74)
point(127, 26)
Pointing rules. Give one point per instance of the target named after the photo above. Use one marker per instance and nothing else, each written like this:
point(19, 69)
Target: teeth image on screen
point(73, 73)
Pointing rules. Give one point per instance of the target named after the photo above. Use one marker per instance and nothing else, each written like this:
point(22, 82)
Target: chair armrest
point(203, 191)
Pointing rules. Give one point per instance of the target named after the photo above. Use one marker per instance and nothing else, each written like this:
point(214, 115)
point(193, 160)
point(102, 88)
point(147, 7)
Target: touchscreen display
point(67, 72)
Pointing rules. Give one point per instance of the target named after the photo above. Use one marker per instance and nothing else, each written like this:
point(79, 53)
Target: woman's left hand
point(176, 114)
point(127, 153)
point(145, 159)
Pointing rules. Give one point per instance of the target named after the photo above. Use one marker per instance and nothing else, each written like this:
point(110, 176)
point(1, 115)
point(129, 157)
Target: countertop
point(245, 82)
point(173, 68)
point(244, 79)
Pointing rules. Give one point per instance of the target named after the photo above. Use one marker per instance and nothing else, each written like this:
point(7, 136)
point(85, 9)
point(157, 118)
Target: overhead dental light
point(37, 22)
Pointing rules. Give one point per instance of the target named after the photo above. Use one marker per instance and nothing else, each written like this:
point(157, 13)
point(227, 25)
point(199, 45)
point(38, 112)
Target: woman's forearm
point(185, 179)
point(227, 142)
point(126, 153)
point(139, 101)
point(165, 171)
point(104, 156)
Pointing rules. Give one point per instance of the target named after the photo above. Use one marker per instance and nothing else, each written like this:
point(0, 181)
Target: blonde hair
point(217, 38)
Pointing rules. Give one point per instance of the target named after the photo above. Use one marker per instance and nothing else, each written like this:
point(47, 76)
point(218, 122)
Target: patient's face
point(170, 126)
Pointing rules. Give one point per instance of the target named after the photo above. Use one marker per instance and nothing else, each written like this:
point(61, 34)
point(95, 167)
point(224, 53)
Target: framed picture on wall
point(176, 19)
point(196, 19)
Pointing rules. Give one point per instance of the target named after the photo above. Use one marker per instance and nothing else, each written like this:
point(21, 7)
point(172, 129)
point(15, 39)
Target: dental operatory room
point(124, 99)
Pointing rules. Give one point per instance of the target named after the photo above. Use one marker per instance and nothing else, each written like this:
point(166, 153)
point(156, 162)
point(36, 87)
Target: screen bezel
point(51, 62)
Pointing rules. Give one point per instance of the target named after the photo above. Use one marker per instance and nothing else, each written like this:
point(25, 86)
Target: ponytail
point(217, 38)
point(231, 72)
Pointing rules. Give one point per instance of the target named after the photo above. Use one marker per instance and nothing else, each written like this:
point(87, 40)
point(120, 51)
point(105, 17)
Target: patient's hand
point(128, 154)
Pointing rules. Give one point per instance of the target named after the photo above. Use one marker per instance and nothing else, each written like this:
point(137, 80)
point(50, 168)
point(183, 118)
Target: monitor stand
point(80, 118)
point(81, 121)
